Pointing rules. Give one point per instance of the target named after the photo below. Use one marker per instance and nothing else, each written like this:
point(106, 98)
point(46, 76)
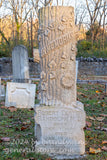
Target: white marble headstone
point(20, 95)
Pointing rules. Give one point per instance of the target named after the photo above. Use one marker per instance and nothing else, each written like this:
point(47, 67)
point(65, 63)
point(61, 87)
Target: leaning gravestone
point(19, 93)
point(20, 64)
point(59, 119)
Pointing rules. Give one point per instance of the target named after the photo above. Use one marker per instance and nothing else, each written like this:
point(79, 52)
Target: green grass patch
point(19, 127)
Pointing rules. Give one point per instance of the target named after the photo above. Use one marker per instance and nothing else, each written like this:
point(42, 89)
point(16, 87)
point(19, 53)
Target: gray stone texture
point(2, 91)
point(20, 64)
point(20, 95)
point(94, 68)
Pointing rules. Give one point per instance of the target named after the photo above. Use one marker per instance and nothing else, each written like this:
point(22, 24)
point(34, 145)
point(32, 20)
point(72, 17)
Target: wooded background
point(19, 25)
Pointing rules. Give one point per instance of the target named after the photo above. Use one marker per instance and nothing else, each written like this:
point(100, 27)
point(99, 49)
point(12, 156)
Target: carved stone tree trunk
point(57, 52)
point(59, 118)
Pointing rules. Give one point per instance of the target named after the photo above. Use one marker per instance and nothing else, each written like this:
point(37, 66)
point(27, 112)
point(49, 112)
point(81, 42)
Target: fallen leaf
point(104, 148)
point(84, 95)
point(97, 91)
point(100, 118)
point(91, 118)
point(102, 104)
point(23, 128)
point(3, 103)
point(37, 92)
point(104, 129)
point(94, 151)
point(5, 139)
point(88, 124)
point(36, 82)
point(3, 107)
point(87, 105)
point(104, 142)
point(12, 109)
point(17, 129)
point(11, 117)
point(103, 115)
point(27, 122)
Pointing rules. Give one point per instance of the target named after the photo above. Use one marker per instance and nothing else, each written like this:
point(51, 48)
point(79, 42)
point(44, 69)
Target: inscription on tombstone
point(60, 119)
point(20, 64)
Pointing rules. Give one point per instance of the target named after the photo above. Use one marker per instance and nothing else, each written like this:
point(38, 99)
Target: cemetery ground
point(17, 127)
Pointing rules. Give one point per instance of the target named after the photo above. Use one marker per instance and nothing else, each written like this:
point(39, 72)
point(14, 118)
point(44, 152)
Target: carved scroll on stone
point(57, 48)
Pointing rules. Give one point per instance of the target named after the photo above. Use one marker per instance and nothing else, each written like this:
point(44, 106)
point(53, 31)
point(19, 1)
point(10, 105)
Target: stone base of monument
point(59, 130)
point(20, 95)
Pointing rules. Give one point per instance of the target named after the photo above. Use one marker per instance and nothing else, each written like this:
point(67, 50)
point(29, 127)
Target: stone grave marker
point(60, 118)
point(20, 93)
point(20, 64)
point(36, 55)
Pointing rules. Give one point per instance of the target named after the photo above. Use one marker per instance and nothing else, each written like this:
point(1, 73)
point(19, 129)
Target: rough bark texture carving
point(57, 54)
point(59, 118)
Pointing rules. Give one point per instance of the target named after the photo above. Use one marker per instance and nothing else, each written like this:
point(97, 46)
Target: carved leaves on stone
point(67, 80)
point(71, 24)
point(72, 58)
point(52, 65)
point(52, 75)
point(61, 28)
point(63, 65)
point(73, 48)
point(64, 55)
point(63, 19)
point(43, 75)
point(51, 26)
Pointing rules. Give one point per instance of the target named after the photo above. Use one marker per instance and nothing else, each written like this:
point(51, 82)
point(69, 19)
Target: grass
point(19, 127)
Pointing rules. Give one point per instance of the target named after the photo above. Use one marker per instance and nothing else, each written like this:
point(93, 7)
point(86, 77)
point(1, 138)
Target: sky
point(4, 11)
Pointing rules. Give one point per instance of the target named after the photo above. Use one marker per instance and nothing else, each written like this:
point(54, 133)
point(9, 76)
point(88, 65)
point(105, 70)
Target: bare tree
point(1, 31)
point(80, 13)
point(96, 10)
point(17, 8)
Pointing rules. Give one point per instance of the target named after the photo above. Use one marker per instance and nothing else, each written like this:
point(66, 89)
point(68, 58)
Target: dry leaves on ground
point(104, 148)
point(94, 151)
point(5, 139)
point(104, 142)
point(12, 109)
point(88, 124)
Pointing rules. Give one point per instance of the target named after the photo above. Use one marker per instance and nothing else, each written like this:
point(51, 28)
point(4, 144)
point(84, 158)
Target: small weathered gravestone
point(20, 93)
point(36, 55)
point(20, 64)
point(2, 91)
point(60, 118)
